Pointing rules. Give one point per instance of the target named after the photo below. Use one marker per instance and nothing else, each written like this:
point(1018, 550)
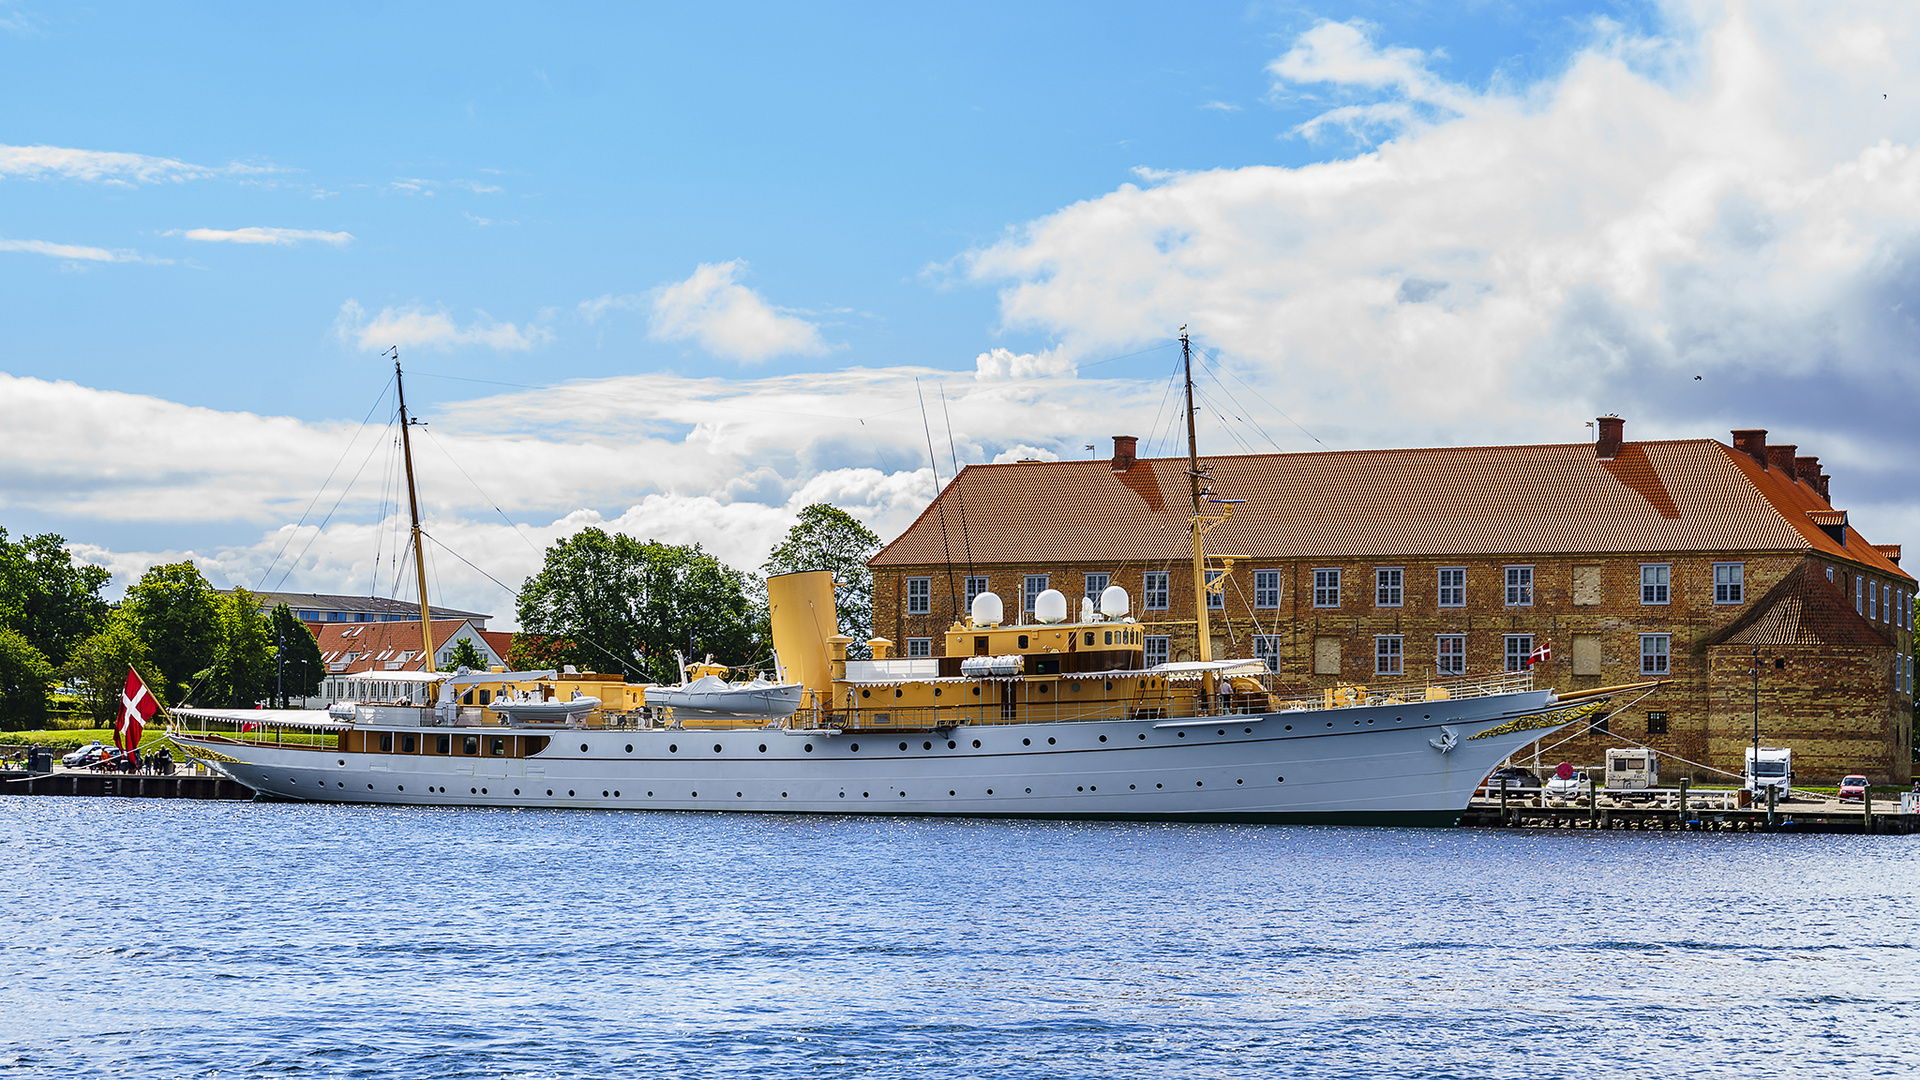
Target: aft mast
point(413, 508)
point(1195, 525)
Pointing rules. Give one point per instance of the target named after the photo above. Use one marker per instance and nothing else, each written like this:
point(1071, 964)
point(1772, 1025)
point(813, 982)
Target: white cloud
point(1007, 364)
point(108, 166)
point(76, 252)
point(1732, 199)
point(418, 327)
point(728, 319)
point(592, 310)
point(255, 234)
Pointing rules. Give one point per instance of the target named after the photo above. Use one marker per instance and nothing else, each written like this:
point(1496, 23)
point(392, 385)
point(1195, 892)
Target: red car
point(1853, 787)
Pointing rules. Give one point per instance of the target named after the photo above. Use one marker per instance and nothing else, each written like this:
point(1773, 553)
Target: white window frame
point(1524, 644)
point(919, 648)
point(1029, 592)
point(1450, 661)
point(1451, 594)
point(1266, 648)
point(1389, 654)
point(1326, 587)
point(1656, 583)
point(1733, 590)
point(1216, 601)
point(1266, 589)
point(919, 596)
point(1389, 586)
point(1154, 590)
point(1093, 593)
point(1156, 649)
point(1656, 654)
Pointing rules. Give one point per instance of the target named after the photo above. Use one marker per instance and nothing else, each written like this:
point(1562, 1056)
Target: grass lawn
point(65, 739)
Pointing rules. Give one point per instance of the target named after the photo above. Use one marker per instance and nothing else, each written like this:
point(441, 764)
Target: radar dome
point(1050, 606)
point(1113, 602)
point(986, 610)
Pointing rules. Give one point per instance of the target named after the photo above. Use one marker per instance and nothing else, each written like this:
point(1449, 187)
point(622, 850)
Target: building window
point(1654, 653)
point(1450, 654)
point(1326, 588)
point(1266, 588)
point(1519, 648)
point(1154, 591)
point(1155, 653)
point(975, 586)
point(1873, 599)
point(919, 647)
point(1453, 586)
point(1654, 583)
point(1656, 723)
point(1519, 587)
point(1386, 586)
point(1216, 598)
point(1729, 583)
point(1266, 649)
point(1036, 584)
point(1096, 584)
point(1387, 654)
point(919, 595)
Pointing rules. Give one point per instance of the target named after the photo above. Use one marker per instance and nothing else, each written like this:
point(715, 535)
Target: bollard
point(1504, 820)
point(1683, 803)
point(1773, 796)
point(1593, 803)
point(1866, 809)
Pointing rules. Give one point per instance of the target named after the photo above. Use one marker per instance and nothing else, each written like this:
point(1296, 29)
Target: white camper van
point(1773, 769)
point(1635, 769)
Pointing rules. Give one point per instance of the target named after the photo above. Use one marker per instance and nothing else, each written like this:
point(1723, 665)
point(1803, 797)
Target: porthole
point(1239, 781)
point(1426, 716)
point(696, 794)
point(343, 761)
point(1279, 779)
point(403, 787)
point(1369, 719)
point(1183, 734)
point(673, 748)
point(649, 794)
point(976, 691)
point(1159, 785)
point(369, 787)
point(951, 745)
point(866, 693)
point(903, 746)
point(936, 691)
point(989, 791)
point(1082, 788)
point(1247, 730)
point(843, 794)
point(1029, 791)
point(615, 794)
point(1049, 741)
point(1143, 736)
point(866, 795)
point(1222, 731)
point(1075, 687)
point(855, 748)
point(569, 793)
point(1289, 727)
point(763, 748)
point(926, 746)
point(976, 744)
point(340, 784)
point(583, 748)
point(629, 748)
point(903, 794)
point(1026, 742)
point(952, 793)
point(782, 794)
point(1103, 738)
point(1092, 788)
point(716, 748)
point(1129, 787)
point(808, 748)
point(739, 794)
point(1329, 723)
point(898, 693)
point(1199, 783)
point(1043, 689)
point(1109, 684)
point(604, 794)
point(549, 791)
point(473, 791)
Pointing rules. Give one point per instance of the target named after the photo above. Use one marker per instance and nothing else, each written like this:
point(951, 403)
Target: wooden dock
point(1703, 815)
point(124, 785)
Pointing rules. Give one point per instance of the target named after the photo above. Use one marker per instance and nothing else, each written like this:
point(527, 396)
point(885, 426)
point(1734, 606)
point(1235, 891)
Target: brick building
point(1622, 560)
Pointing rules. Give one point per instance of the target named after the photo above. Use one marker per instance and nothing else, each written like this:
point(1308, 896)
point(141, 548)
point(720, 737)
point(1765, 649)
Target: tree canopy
point(97, 670)
point(46, 597)
point(828, 538)
point(299, 667)
point(464, 655)
point(25, 676)
point(242, 672)
point(177, 614)
point(612, 603)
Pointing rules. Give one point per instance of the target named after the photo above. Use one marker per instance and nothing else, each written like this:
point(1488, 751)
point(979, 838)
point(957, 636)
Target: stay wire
point(1282, 413)
point(491, 501)
point(933, 461)
point(322, 490)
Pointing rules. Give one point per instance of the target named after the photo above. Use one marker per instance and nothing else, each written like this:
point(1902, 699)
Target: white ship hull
point(1372, 763)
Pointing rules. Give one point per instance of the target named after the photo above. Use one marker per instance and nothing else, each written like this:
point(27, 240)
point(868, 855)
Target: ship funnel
point(803, 619)
point(986, 610)
point(1113, 602)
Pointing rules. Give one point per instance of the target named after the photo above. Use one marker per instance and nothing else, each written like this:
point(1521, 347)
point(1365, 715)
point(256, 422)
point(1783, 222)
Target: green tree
point(177, 614)
point(25, 676)
point(46, 597)
point(97, 670)
point(242, 673)
point(613, 603)
point(828, 538)
point(299, 668)
point(464, 655)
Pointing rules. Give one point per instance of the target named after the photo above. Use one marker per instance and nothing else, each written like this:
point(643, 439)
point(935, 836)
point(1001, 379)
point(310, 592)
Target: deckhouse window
point(919, 595)
point(1655, 583)
point(1326, 588)
point(1154, 591)
point(1729, 583)
point(1519, 587)
point(1387, 586)
point(1266, 588)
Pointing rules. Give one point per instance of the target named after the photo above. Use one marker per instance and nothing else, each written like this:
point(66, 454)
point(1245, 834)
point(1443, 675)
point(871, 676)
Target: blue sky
point(734, 237)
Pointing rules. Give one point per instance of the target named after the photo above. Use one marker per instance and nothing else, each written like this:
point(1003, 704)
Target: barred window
point(1519, 587)
point(1266, 649)
point(1654, 650)
point(1387, 654)
point(919, 647)
point(1519, 648)
point(1450, 654)
point(1453, 586)
point(1266, 588)
point(1386, 586)
point(1326, 588)
point(1154, 592)
point(1729, 583)
point(919, 595)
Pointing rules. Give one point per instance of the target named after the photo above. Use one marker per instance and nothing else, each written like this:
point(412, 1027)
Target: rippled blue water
point(239, 940)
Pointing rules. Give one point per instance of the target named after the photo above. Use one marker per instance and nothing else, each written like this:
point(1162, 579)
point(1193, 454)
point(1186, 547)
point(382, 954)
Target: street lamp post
point(280, 666)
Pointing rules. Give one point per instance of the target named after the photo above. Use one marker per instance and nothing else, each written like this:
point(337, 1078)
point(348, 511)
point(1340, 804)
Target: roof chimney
point(1612, 429)
point(1123, 452)
point(1781, 457)
point(1752, 442)
point(1807, 470)
point(1824, 494)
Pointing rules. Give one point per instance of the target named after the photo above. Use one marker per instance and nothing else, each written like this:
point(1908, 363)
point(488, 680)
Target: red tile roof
point(374, 644)
point(1676, 496)
point(1802, 609)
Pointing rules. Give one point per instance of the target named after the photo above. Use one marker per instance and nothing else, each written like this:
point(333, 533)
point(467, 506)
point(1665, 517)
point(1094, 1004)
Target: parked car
point(1853, 787)
point(1512, 778)
point(86, 755)
point(1567, 787)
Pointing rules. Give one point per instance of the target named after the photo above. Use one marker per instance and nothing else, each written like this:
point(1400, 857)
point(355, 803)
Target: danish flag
point(1540, 655)
point(136, 708)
